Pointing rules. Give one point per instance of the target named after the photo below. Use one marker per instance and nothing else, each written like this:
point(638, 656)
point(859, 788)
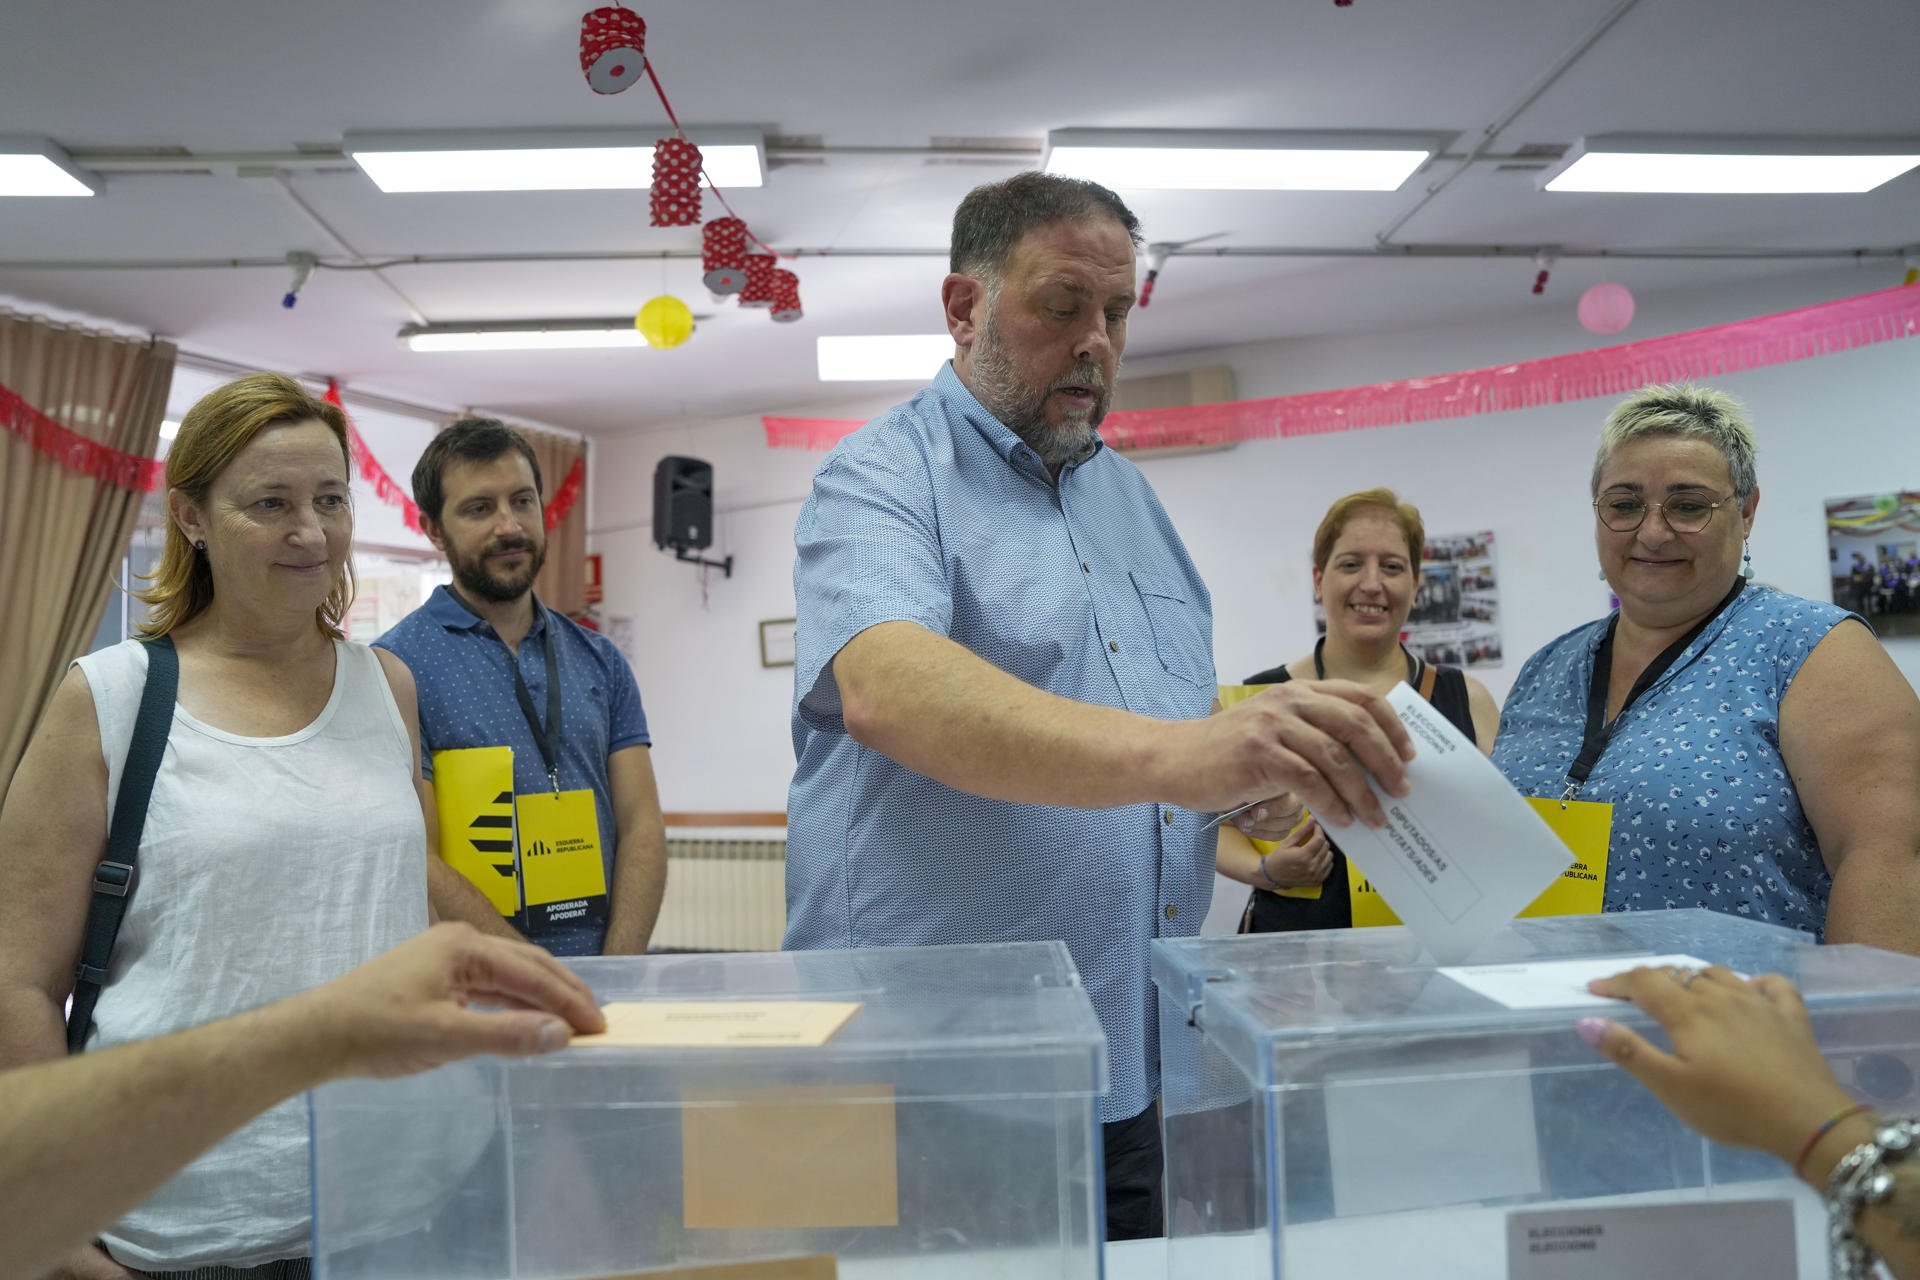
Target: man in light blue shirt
point(1004, 663)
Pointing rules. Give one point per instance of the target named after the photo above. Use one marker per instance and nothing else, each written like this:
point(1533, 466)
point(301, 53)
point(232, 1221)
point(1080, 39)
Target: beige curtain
point(562, 583)
point(63, 534)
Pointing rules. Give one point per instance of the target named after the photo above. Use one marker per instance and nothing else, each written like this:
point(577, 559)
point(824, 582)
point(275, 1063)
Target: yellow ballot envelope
point(1584, 826)
point(473, 792)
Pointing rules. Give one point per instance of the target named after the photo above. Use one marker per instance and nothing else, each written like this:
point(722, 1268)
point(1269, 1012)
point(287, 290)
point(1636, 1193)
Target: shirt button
point(1166, 817)
point(1172, 911)
point(1114, 645)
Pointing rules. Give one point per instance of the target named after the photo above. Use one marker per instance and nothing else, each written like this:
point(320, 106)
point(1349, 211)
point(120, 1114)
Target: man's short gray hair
point(1690, 412)
point(996, 217)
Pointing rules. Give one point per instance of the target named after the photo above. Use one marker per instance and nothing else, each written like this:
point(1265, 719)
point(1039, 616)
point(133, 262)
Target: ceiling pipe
point(1736, 253)
point(1544, 81)
point(284, 184)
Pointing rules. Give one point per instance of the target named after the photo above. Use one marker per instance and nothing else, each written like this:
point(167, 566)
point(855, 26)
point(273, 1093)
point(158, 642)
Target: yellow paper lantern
point(664, 322)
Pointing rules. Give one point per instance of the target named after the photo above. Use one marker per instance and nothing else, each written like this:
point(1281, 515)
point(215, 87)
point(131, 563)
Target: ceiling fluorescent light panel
point(527, 335)
point(1238, 160)
point(35, 167)
point(887, 357)
point(1651, 164)
point(578, 160)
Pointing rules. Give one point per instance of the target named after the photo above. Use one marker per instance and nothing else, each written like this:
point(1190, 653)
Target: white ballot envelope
point(1462, 853)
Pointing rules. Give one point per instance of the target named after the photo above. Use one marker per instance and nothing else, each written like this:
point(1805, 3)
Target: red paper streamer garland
point(568, 493)
point(76, 452)
point(389, 491)
point(384, 486)
point(1800, 334)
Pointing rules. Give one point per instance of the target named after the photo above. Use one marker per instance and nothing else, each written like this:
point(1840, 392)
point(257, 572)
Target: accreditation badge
point(1584, 826)
point(561, 872)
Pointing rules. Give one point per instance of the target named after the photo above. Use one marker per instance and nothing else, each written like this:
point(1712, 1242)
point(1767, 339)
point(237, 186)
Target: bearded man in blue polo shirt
point(496, 668)
point(1004, 663)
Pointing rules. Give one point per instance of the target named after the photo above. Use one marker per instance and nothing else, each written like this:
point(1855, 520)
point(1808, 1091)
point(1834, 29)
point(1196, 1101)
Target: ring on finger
point(1684, 976)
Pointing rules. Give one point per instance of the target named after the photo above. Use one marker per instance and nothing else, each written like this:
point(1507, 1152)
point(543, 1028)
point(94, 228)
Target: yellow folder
point(473, 791)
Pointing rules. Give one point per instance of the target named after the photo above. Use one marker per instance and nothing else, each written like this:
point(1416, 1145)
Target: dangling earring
point(1746, 562)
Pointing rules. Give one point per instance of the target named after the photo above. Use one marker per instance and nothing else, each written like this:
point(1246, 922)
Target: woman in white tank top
point(287, 839)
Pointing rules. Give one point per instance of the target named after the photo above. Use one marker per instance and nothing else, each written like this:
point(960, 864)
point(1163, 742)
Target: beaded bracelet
point(1826, 1127)
point(1861, 1179)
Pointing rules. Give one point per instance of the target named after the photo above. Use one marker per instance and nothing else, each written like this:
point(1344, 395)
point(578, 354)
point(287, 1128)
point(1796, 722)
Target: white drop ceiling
point(824, 81)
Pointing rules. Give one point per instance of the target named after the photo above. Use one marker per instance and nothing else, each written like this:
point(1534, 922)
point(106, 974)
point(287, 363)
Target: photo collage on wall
point(1455, 619)
point(1873, 557)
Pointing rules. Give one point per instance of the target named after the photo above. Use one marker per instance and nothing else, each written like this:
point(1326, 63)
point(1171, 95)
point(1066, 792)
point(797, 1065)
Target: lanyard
point(1599, 732)
point(545, 736)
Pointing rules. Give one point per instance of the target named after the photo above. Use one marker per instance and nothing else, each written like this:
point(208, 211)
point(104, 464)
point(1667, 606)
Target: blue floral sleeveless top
point(1704, 812)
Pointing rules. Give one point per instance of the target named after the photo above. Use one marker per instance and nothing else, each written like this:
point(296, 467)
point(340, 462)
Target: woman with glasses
point(1760, 751)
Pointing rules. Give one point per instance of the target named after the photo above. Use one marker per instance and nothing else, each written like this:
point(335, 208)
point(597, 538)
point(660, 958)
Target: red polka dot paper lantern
point(759, 290)
point(613, 48)
point(786, 297)
point(676, 183)
point(723, 255)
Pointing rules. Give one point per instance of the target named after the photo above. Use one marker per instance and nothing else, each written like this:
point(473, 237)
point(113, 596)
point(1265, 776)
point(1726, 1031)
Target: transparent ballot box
point(1336, 1105)
point(948, 1128)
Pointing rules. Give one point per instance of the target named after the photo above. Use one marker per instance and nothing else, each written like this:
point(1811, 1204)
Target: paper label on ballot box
point(1704, 1240)
point(720, 1024)
point(817, 1266)
point(801, 1157)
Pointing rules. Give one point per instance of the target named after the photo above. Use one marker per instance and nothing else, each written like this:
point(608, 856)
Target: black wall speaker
point(683, 504)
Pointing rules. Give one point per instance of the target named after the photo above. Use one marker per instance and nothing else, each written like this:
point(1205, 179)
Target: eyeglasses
point(1688, 511)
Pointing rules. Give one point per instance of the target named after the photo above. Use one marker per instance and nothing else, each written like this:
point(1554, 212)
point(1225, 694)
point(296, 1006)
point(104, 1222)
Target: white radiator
point(723, 894)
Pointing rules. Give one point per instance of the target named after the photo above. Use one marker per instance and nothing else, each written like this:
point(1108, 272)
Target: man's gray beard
point(997, 386)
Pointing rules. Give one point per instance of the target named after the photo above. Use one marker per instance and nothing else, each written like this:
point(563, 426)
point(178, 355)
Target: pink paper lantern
point(1606, 308)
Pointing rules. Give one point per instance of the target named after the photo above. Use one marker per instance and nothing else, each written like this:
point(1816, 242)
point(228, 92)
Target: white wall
point(1835, 426)
point(718, 718)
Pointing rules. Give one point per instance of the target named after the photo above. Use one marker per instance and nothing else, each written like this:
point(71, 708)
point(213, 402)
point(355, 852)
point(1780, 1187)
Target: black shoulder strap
point(114, 878)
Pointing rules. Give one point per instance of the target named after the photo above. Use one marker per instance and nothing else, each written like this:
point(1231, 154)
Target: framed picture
point(1455, 617)
point(776, 642)
point(1873, 553)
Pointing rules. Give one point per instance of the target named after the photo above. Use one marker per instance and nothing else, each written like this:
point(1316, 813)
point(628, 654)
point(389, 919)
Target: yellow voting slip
point(473, 793)
point(1585, 827)
point(1231, 694)
point(566, 882)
